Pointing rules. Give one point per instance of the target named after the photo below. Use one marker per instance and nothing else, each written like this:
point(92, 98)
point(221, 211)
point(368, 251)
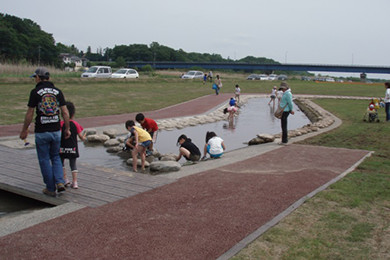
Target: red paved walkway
point(198, 217)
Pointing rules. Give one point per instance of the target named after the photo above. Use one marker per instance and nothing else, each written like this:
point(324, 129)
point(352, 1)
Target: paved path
point(211, 212)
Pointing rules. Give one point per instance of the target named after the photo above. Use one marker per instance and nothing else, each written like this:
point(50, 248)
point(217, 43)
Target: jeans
point(387, 109)
point(48, 148)
point(284, 127)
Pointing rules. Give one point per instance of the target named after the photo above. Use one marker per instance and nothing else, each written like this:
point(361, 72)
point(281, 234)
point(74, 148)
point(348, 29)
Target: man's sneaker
point(49, 193)
point(60, 187)
point(74, 185)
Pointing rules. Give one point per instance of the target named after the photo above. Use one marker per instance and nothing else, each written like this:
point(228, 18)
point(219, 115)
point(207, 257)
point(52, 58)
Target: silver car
point(193, 74)
point(97, 72)
point(125, 74)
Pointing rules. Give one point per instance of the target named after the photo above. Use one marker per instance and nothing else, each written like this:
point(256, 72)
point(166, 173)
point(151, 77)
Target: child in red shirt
point(150, 126)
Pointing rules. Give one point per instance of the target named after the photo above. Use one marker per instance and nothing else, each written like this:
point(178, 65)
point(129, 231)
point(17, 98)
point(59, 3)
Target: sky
point(345, 32)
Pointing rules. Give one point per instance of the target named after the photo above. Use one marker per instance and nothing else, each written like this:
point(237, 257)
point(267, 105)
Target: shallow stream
point(255, 117)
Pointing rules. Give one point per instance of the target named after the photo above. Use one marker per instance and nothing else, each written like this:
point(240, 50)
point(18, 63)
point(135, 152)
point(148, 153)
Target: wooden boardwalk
point(20, 174)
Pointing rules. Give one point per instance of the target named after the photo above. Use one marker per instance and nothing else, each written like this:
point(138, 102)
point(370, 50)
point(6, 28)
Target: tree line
point(23, 40)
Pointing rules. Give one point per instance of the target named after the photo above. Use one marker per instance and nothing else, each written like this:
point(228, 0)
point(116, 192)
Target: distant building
point(69, 58)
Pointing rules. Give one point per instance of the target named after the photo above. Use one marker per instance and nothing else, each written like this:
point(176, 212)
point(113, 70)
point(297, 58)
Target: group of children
point(140, 140)
point(214, 146)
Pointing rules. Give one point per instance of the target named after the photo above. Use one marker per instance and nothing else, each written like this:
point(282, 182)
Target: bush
point(147, 68)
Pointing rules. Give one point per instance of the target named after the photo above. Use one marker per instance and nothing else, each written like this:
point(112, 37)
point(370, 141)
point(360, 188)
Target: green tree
point(24, 39)
point(120, 62)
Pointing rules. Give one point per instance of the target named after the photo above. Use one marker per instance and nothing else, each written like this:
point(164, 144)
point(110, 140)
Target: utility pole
point(39, 55)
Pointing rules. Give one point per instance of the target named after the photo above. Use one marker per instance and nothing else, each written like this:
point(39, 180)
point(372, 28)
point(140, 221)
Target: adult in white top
point(214, 146)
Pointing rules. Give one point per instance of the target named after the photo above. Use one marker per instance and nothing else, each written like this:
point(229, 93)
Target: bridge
point(263, 67)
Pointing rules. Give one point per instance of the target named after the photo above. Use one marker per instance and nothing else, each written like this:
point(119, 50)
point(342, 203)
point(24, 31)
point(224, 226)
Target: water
point(255, 117)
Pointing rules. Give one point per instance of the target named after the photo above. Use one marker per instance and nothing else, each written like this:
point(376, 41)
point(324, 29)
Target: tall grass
point(23, 70)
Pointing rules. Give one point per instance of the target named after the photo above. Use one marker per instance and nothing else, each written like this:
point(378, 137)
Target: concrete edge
point(23, 221)
point(33, 195)
point(260, 231)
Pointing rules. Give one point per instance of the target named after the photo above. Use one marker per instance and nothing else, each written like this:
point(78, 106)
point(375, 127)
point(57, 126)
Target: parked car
point(263, 77)
point(253, 77)
point(125, 74)
point(329, 79)
point(272, 77)
point(193, 74)
point(97, 72)
point(282, 77)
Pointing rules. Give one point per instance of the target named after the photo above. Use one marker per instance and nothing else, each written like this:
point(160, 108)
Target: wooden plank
point(20, 173)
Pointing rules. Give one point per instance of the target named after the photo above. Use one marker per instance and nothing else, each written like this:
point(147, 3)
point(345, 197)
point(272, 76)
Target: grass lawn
point(349, 220)
point(95, 97)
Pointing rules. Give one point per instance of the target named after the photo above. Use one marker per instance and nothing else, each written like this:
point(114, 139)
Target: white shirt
point(215, 145)
point(387, 96)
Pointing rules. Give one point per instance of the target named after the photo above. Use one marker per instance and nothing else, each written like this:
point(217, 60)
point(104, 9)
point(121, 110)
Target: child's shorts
point(146, 143)
point(232, 108)
point(213, 155)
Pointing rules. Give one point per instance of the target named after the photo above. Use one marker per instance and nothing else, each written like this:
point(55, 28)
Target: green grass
point(96, 97)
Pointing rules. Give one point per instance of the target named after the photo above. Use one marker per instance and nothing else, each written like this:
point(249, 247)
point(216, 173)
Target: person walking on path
point(69, 147)
point(142, 141)
point(387, 101)
point(217, 85)
point(187, 149)
point(287, 104)
point(48, 101)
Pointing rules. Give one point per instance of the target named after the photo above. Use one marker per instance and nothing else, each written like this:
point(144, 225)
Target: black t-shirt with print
point(191, 147)
point(47, 99)
point(69, 147)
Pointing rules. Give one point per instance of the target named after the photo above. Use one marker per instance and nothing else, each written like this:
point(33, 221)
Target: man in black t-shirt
point(48, 101)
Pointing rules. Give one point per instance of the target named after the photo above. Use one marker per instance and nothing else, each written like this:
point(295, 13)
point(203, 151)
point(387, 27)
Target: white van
point(97, 72)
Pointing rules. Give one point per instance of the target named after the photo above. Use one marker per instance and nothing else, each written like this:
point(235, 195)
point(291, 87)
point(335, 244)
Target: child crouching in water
point(69, 147)
point(214, 146)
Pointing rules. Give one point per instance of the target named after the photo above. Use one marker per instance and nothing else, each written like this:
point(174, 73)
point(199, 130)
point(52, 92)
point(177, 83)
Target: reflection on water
point(255, 117)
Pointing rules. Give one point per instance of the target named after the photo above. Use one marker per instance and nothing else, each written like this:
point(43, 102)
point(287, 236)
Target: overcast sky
point(301, 31)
